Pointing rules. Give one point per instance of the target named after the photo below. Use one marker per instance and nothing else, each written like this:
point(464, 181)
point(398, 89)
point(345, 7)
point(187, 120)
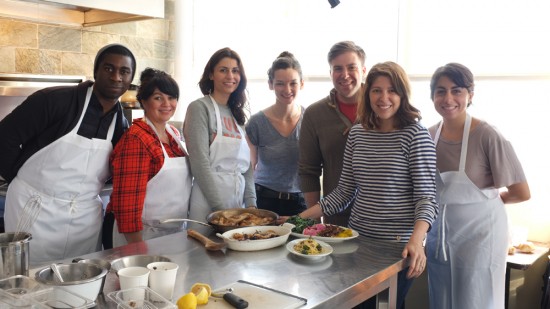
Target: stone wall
point(34, 48)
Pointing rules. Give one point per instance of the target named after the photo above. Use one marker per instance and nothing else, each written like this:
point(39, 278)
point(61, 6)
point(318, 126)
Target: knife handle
point(235, 301)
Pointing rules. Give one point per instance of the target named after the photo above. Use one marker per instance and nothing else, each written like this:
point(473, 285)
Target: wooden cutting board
point(257, 296)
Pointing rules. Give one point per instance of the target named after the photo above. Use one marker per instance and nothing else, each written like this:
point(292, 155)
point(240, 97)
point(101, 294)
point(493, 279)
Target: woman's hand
point(415, 250)
point(282, 219)
point(417, 258)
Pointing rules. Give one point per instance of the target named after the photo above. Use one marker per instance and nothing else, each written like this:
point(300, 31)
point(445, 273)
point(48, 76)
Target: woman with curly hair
point(151, 178)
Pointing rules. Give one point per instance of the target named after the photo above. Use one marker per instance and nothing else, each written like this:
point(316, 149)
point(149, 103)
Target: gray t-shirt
point(491, 161)
point(277, 167)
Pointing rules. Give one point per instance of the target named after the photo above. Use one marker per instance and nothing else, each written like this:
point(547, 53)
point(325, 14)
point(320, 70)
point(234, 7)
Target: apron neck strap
point(465, 137)
point(86, 103)
point(157, 133)
point(464, 148)
point(219, 131)
point(169, 131)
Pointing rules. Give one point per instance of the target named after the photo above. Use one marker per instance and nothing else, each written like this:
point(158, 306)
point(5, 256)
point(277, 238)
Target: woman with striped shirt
point(389, 167)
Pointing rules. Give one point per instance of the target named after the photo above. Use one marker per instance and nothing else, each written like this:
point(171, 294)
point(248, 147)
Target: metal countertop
point(356, 270)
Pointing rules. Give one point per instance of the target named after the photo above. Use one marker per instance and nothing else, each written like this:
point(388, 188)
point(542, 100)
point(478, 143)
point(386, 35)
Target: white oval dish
point(327, 249)
point(354, 234)
point(259, 244)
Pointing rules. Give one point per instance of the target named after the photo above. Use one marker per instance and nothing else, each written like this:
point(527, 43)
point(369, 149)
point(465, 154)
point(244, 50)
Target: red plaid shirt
point(136, 159)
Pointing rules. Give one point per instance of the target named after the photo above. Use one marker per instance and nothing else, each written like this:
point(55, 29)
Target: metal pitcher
point(14, 255)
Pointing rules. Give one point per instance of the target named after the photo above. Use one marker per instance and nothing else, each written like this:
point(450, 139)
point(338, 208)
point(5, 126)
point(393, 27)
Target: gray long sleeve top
point(199, 130)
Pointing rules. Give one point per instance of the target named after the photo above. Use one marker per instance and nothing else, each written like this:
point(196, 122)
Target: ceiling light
point(333, 3)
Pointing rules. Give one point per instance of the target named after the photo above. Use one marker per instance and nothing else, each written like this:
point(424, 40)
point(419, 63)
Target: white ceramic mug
point(162, 278)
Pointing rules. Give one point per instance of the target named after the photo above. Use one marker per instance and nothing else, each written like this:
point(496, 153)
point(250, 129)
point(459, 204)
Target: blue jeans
point(403, 286)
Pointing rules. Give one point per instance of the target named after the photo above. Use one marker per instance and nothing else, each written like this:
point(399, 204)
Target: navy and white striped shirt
point(393, 176)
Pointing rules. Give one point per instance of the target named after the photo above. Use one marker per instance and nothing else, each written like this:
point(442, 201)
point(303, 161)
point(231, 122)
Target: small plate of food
point(309, 248)
point(305, 228)
point(325, 232)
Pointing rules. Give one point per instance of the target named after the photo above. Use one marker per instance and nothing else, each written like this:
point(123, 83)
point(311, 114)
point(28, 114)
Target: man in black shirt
point(54, 152)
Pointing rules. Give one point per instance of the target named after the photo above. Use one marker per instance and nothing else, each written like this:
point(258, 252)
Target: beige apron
point(166, 196)
point(66, 177)
point(229, 159)
point(467, 245)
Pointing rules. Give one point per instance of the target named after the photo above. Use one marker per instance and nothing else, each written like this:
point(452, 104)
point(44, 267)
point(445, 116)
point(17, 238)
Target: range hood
point(81, 13)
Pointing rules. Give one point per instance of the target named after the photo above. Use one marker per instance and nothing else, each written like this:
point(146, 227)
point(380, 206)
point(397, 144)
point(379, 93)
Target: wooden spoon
point(208, 244)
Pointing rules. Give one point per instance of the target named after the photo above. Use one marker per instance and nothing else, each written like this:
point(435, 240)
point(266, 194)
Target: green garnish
point(300, 224)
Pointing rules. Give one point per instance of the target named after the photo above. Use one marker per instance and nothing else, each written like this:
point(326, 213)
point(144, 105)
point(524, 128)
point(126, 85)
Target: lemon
point(196, 287)
point(345, 233)
point(202, 296)
point(187, 301)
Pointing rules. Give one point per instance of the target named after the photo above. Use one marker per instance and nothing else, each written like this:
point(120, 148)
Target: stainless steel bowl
point(102, 263)
point(83, 279)
point(136, 260)
point(238, 211)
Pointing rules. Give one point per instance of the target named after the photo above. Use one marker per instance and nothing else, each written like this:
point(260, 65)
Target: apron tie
point(237, 191)
point(72, 206)
point(441, 235)
point(36, 199)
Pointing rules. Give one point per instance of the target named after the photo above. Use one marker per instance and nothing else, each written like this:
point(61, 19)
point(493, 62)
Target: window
point(503, 42)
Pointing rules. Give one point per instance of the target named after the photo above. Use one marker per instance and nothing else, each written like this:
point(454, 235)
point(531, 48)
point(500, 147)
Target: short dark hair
point(344, 47)
point(458, 73)
point(285, 60)
point(237, 100)
point(117, 49)
point(406, 114)
point(152, 79)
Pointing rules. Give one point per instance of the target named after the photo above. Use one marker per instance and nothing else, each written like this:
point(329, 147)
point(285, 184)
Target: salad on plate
point(305, 228)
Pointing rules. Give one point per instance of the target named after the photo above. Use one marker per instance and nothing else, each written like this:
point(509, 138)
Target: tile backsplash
point(34, 48)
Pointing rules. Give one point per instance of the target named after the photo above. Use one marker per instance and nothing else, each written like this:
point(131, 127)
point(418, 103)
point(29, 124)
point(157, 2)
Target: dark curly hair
point(152, 79)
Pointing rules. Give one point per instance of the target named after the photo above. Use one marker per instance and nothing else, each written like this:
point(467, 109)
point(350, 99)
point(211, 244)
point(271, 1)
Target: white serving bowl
point(255, 245)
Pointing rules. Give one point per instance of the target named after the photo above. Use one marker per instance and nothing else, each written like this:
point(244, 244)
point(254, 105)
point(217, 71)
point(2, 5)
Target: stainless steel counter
point(355, 271)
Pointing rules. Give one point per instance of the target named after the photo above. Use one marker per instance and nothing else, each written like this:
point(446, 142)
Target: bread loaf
point(526, 247)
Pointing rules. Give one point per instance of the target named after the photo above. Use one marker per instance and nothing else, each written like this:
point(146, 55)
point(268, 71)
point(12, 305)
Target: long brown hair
point(406, 114)
point(238, 101)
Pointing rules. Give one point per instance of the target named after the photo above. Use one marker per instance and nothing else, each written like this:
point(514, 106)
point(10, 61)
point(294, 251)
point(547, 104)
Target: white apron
point(467, 245)
point(229, 159)
point(66, 177)
point(166, 196)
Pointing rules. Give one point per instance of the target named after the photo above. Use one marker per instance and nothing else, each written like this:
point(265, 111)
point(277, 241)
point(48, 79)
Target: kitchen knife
point(235, 301)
